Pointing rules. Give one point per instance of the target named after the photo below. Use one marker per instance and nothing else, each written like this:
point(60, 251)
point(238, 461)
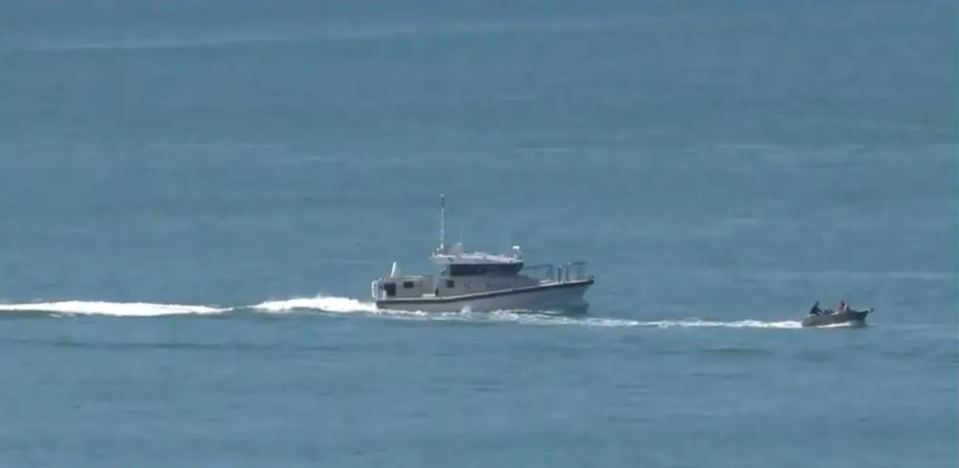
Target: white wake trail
point(346, 305)
point(322, 303)
point(117, 309)
point(608, 322)
point(788, 324)
point(335, 304)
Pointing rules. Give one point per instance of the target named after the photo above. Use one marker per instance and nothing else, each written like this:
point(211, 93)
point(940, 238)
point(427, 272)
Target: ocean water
point(195, 196)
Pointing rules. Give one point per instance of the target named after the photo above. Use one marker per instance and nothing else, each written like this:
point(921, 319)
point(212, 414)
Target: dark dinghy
point(853, 317)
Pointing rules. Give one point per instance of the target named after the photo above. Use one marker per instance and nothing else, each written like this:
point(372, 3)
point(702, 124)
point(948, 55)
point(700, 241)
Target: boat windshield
point(483, 269)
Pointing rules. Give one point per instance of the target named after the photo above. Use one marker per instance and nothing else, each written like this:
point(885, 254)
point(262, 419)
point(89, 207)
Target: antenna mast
point(442, 223)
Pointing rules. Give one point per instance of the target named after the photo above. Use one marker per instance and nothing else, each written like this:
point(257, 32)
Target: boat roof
point(457, 255)
point(446, 255)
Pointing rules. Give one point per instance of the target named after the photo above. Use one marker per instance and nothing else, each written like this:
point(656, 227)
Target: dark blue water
point(195, 197)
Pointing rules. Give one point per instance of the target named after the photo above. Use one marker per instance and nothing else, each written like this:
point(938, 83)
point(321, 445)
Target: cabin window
point(450, 283)
point(407, 284)
point(390, 289)
point(490, 269)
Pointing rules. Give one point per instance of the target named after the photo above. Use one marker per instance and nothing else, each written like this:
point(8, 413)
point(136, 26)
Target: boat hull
point(561, 297)
point(852, 317)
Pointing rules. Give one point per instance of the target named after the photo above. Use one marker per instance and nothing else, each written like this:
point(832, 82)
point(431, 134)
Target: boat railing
point(547, 272)
point(542, 272)
point(574, 271)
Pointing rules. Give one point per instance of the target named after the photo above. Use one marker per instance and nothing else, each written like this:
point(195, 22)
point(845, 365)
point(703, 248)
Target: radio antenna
point(442, 223)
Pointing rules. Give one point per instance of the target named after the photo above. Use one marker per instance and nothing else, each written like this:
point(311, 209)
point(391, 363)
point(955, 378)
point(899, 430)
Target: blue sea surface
point(195, 196)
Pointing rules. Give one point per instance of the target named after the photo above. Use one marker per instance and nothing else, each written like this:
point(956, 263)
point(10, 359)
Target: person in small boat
point(842, 307)
point(815, 309)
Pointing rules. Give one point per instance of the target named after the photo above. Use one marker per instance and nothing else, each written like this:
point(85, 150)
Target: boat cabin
point(460, 273)
point(406, 286)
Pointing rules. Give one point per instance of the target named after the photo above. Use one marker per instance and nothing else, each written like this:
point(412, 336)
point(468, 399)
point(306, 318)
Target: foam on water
point(118, 309)
point(608, 322)
point(730, 324)
point(345, 305)
point(840, 325)
point(322, 303)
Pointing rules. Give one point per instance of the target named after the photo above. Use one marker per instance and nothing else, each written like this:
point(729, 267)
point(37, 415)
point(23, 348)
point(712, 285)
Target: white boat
point(479, 281)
